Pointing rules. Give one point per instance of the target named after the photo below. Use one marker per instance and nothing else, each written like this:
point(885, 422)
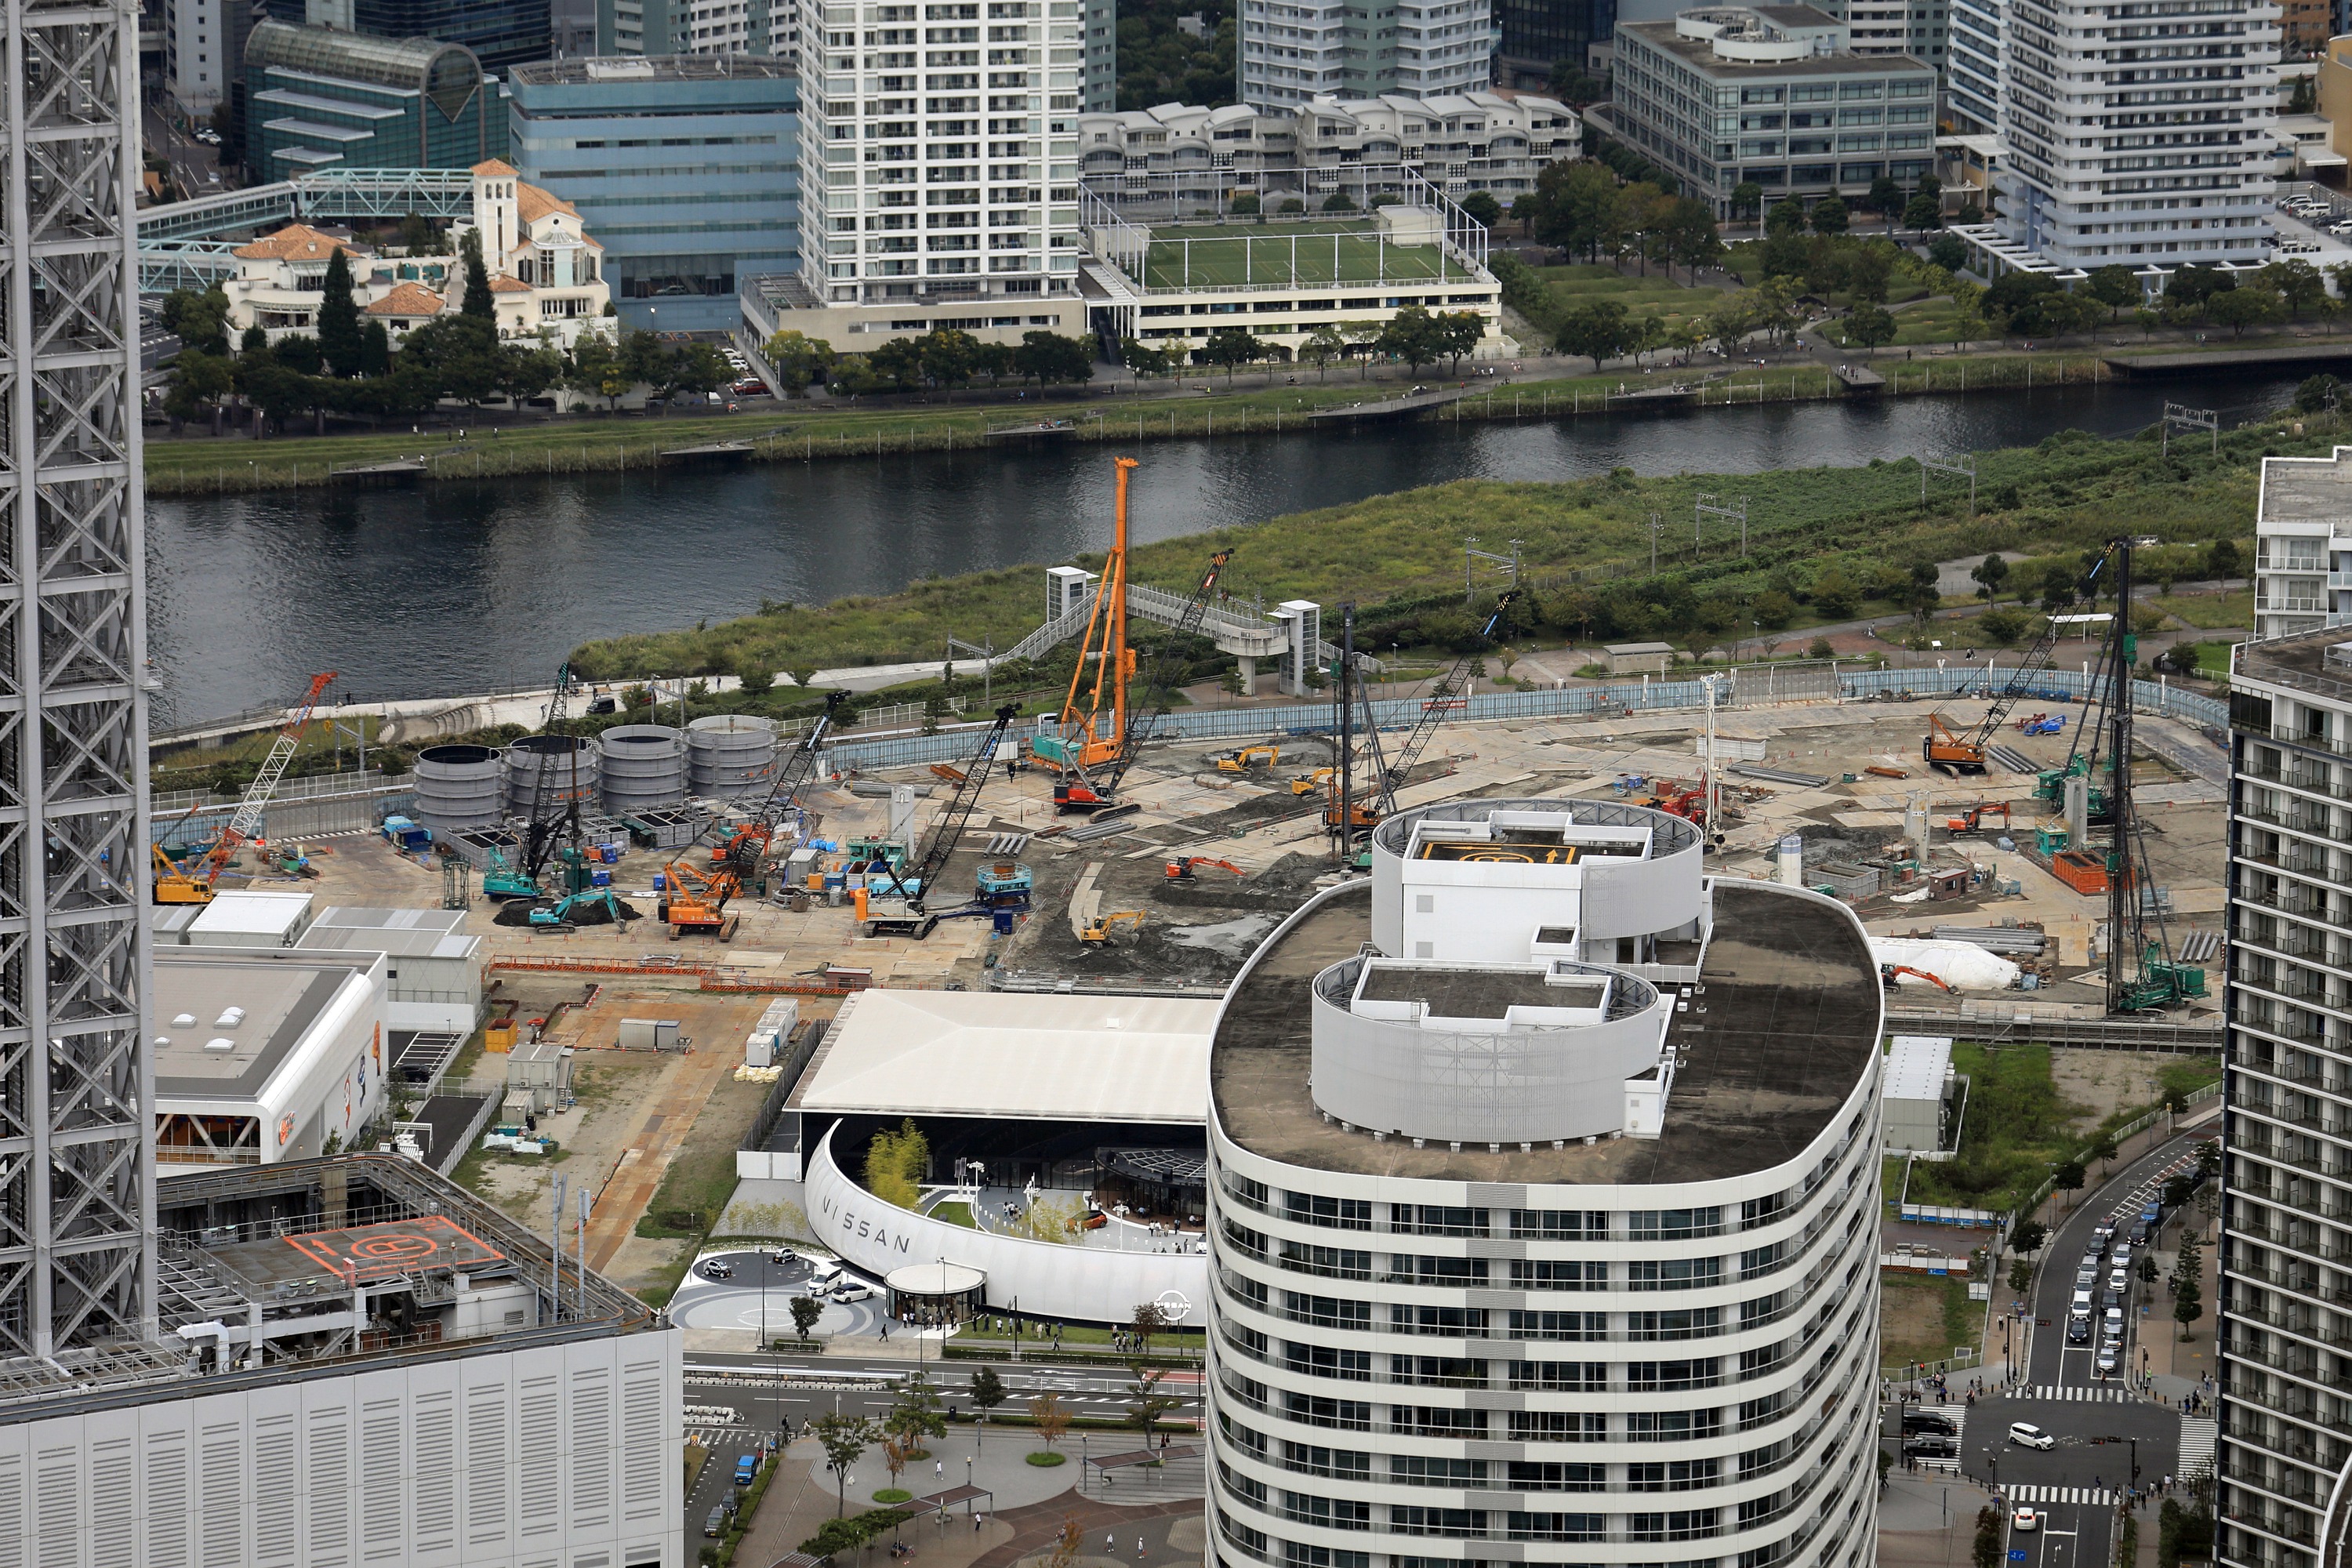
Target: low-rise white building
point(1492, 141)
point(546, 274)
point(2302, 544)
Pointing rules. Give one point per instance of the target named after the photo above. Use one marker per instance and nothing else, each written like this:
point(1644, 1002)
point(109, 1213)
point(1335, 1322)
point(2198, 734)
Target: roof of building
point(534, 204)
point(2307, 489)
point(1790, 1024)
point(407, 300)
point(260, 1002)
point(332, 52)
point(1699, 53)
point(651, 68)
point(251, 911)
point(398, 941)
point(295, 242)
point(1915, 1068)
point(999, 1055)
point(369, 917)
point(493, 168)
point(2303, 662)
point(507, 283)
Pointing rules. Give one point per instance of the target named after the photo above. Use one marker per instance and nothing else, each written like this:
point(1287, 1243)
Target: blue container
point(1003, 923)
point(600, 879)
point(661, 880)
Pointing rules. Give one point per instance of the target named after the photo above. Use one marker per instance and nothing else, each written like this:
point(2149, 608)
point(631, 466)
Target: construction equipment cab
point(1248, 757)
point(1098, 933)
point(1307, 784)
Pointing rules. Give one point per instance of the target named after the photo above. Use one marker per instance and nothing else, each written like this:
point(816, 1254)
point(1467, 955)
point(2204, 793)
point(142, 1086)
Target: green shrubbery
point(896, 1163)
point(840, 1535)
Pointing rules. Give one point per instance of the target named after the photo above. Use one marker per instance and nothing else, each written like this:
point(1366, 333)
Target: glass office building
point(684, 167)
point(501, 33)
point(1537, 33)
point(316, 99)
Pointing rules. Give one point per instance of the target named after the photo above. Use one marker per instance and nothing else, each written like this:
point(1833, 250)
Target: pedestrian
point(1110, 1542)
point(938, 1469)
point(976, 1521)
point(1138, 1548)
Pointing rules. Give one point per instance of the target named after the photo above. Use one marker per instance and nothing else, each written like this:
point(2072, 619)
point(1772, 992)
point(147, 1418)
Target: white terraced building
point(1294, 50)
point(1544, 1189)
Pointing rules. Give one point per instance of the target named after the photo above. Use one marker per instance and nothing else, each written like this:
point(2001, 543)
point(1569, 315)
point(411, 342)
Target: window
point(1673, 1273)
point(1343, 1213)
point(1555, 1527)
point(1762, 1211)
point(1673, 1224)
point(1672, 1425)
point(1761, 1260)
point(1242, 1188)
point(1315, 1410)
point(1412, 1519)
point(1560, 1225)
point(1327, 1312)
point(1559, 1376)
point(1431, 1219)
point(1671, 1476)
point(1416, 1470)
point(1459, 1322)
point(1683, 1323)
point(1438, 1270)
point(1563, 1325)
point(1535, 1476)
point(1297, 1554)
point(1323, 1361)
point(1437, 1371)
point(1437, 1421)
point(1688, 1525)
point(1655, 1376)
point(1554, 1274)
point(1757, 1412)
point(1559, 1426)
point(1336, 1262)
point(1331, 1513)
point(1341, 1464)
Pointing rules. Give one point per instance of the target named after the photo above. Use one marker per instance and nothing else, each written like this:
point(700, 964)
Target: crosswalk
point(2095, 1497)
point(1959, 1416)
point(2105, 1393)
point(2197, 1433)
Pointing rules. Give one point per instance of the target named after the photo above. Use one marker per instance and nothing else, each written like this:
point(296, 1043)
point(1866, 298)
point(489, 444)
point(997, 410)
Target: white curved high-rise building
point(1544, 1179)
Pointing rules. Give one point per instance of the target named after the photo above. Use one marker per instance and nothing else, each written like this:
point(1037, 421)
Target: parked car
point(747, 1470)
point(718, 1269)
point(850, 1291)
point(1932, 1445)
point(2026, 1435)
point(716, 1524)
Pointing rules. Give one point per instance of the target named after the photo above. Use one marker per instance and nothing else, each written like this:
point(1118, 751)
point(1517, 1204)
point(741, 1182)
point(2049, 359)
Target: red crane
point(246, 821)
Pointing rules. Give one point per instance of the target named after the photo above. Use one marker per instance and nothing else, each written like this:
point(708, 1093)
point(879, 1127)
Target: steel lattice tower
point(77, 1174)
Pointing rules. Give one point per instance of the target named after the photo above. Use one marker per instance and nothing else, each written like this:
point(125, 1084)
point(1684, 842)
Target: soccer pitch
point(1280, 255)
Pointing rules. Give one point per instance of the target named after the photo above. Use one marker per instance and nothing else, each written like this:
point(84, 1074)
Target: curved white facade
point(1629, 1349)
point(1089, 1283)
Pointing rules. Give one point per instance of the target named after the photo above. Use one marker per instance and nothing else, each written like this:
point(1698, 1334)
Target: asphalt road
point(2103, 1430)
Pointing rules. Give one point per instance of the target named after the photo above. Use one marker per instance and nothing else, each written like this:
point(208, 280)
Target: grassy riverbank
point(1824, 546)
point(814, 431)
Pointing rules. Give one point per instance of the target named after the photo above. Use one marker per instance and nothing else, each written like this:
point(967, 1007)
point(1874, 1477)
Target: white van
point(822, 1277)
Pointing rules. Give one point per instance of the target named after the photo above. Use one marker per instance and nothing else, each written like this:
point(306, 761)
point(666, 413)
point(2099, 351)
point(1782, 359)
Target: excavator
point(1181, 870)
point(1243, 759)
point(1309, 783)
point(901, 911)
point(1972, 820)
point(1953, 751)
point(1888, 972)
point(1097, 932)
point(695, 897)
point(193, 885)
point(553, 802)
point(1678, 799)
point(1079, 790)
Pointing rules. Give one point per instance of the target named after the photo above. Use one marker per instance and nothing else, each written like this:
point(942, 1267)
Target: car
point(2110, 1301)
point(783, 1255)
point(851, 1290)
point(2078, 1331)
point(2123, 1257)
point(718, 1269)
point(2026, 1435)
point(2109, 1357)
point(827, 1272)
point(2115, 1320)
point(1932, 1445)
point(1933, 1421)
point(2024, 1519)
point(2086, 1275)
point(716, 1524)
point(2081, 1300)
point(747, 1470)
point(2116, 1280)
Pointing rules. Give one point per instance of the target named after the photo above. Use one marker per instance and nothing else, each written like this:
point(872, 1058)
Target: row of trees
point(1412, 335)
point(944, 356)
point(1583, 207)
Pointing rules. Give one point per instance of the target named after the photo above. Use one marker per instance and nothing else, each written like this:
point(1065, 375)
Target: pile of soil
point(517, 912)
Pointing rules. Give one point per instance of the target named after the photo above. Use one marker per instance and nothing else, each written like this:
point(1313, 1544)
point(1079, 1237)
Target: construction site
point(670, 920)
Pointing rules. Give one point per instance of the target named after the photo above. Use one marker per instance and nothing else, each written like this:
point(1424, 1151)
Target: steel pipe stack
point(459, 787)
point(643, 768)
point(726, 753)
point(577, 763)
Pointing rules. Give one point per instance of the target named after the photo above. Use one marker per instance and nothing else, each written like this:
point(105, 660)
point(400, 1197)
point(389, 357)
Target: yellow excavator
point(1308, 783)
point(1246, 758)
point(1097, 933)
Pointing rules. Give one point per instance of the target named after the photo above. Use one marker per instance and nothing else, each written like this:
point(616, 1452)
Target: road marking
point(2197, 1437)
point(2093, 1496)
point(2108, 1394)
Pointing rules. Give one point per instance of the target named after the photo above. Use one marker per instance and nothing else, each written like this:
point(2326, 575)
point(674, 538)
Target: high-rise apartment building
point(1535, 36)
point(2302, 544)
point(1972, 66)
point(939, 148)
point(2283, 1325)
point(1100, 93)
point(2143, 135)
point(1544, 1192)
point(696, 27)
point(204, 42)
point(1293, 50)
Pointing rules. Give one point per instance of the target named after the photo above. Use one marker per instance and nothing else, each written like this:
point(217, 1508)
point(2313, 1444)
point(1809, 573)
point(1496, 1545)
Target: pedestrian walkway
point(2097, 1497)
point(2104, 1393)
point(1959, 1416)
point(2197, 1433)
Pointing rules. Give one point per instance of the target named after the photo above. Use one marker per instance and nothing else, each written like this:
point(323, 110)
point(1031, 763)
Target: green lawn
point(954, 1212)
point(1655, 295)
point(1928, 321)
point(2212, 612)
point(1284, 254)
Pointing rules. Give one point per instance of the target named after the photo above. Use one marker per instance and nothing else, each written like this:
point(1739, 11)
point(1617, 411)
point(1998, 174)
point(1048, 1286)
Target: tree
point(199, 321)
point(1787, 217)
point(1989, 574)
point(1142, 358)
point(2067, 1175)
point(1747, 200)
point(2103, 1149)
point(1482, 209)
point(1051, 1418)
point(419, 238)
point(1577, 205)
point(1146, 1400)
point(2057, 587)
point(339, 316)
point(1598, 328)
point(2020, 1274)
point(949, 355)
point(1772, 609)
point(806, 1311)
point(457, 356)
point(199, 381)
point(1829, 216)
point(1835, 594)
point(1324, 344)
point(2222, 559)
point(2238, 309)
point(2317, 394)
point(2297, 283)
point(375, 351)
point(2188, 1295)
point(2115, 287)
point(2000, 627)
point(1245, 203)
point(1970, 213)
point(916, 1413)
point(1339, 202)
point(1232, 347)
point(798, 359)
point(1051, 359)
point(2029, 1238)
point(1414, 336)
point(1460, 333)
point(1869, 327)
point(1150, 1318)
point(844, 1439)
point(597, 370)
point(1948, 251)
point(477, 302)
point(987, 1389)
point(1921, 214)
point(1690, 235)
point(1887, 199)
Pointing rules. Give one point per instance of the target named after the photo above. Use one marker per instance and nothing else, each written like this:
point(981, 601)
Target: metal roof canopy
point(1014, 1057)
point(1915, 1066)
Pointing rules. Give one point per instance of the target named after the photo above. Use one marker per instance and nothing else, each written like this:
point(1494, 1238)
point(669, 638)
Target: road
point(2106, 1435)
point(194, 167)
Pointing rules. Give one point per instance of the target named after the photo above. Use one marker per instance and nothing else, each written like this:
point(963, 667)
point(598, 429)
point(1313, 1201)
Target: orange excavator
point(1181, 868)
point(1972, 819)
point(1677, 799)
point(693, 897)
point(1888, 971)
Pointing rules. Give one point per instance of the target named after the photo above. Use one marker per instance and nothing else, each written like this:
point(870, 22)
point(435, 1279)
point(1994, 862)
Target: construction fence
point(1747, 687)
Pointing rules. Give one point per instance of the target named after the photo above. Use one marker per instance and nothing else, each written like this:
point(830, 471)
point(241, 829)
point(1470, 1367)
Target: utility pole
point(1657, 526)
point(1709, 505)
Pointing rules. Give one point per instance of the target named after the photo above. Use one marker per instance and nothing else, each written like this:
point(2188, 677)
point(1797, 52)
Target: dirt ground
point(1911, 1317)
point(2102, 1082)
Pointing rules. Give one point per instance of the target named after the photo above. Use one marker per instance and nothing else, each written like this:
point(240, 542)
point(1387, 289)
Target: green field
point(1656, 295)
point(1282, 254)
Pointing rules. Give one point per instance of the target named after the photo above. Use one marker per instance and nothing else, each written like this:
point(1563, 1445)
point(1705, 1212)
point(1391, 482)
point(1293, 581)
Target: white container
point(648, 1033)
point(759, 1049)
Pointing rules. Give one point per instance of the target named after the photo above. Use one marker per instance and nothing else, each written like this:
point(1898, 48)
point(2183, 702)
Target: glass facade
point(501, 33)
point(1536, 34)
point(315, 98)
point(685, 168)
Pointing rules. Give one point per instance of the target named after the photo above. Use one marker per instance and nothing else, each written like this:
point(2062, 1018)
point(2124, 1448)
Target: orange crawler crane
point(1092, 728)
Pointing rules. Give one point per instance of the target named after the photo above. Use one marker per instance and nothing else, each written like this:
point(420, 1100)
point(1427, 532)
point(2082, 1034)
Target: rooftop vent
point(184, 1020)
point(230, 1019)
point(220, 1043)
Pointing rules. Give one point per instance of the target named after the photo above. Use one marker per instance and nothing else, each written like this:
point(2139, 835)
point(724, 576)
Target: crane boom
point(749, 842)
point(1434, 707)
point(950, 826)
point(245, 820)
point(1075, 790)
point(546, 810)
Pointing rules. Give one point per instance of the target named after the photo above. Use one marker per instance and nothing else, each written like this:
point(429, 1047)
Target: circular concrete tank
point(460, 787)
point(643, 767)
point(726, 753)
point(576, 767)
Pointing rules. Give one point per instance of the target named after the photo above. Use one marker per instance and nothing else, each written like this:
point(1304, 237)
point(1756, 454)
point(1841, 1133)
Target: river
point(458, 588)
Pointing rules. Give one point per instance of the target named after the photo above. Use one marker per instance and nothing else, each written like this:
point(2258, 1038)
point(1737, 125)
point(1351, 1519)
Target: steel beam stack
point(77, 1179)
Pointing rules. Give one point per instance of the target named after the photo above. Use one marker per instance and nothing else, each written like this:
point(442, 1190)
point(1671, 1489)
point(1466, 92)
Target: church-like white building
point(545, 272)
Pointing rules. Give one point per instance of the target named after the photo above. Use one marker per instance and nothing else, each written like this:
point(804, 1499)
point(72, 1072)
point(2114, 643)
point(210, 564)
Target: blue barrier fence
point(1750, 686)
